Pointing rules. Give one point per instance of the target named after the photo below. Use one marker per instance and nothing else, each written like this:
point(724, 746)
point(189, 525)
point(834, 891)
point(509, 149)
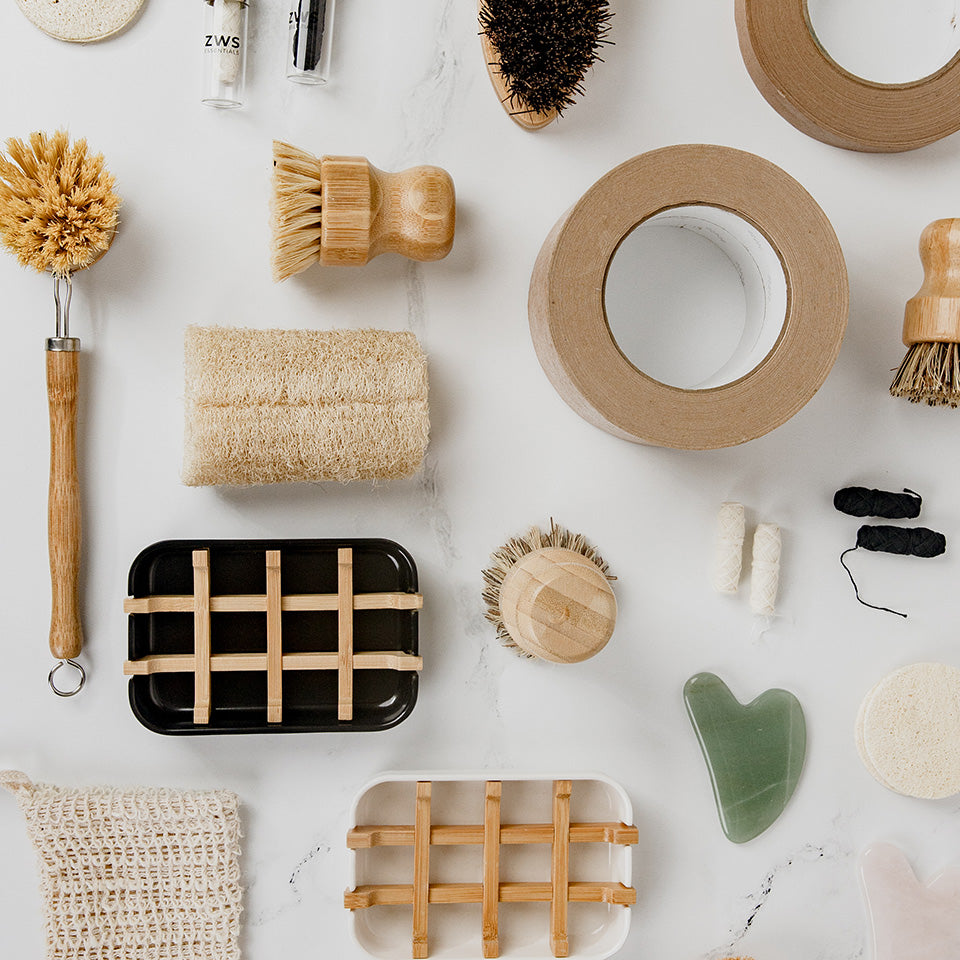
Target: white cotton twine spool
point(765, 572)
point(729, 553)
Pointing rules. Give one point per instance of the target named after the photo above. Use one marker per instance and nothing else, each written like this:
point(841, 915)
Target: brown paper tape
point(569, 325)
point(821, 99)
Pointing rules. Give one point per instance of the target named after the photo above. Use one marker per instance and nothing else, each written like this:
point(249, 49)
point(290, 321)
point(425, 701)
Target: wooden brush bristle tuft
point(58, 211)
point(504, 558)
point(930, 373)
point(296, 210)
point(545, 47)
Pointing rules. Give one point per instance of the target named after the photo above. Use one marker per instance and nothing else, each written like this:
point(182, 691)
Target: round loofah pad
point(81, 21)
point(861, 747)
point(908, 731)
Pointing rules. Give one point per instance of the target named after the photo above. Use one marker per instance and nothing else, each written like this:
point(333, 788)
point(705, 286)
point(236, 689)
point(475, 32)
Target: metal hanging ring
point(67, 693)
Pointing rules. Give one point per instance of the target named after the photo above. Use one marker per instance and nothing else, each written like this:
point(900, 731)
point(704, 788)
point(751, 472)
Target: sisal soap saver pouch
point(146, 874)
point(286, 406)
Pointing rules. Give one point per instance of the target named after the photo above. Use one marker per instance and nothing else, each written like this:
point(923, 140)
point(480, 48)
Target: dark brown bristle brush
point(538, 52)
point(58, 214)
point(930, 372)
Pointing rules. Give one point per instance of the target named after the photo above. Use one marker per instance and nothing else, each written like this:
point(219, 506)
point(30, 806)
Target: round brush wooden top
point(557, 605)
point(933, 315)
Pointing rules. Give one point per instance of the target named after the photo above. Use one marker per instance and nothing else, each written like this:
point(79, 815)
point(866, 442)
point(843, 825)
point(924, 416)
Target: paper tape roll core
point(800, 80)
point(568, 320)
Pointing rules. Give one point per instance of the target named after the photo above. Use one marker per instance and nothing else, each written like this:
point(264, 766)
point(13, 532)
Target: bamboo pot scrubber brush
point(538, 51)
point(549, 596)
point(343, 211)
point(930, 372)
point(58, 214)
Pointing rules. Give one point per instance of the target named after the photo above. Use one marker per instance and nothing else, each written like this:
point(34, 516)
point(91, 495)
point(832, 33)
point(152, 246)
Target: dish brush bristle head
point(545, 47)
point(58, 211)
point(295, 210)
point(548, 595)
point(930, 374)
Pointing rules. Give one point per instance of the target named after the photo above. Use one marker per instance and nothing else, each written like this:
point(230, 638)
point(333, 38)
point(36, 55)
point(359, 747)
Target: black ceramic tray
point(232, 691)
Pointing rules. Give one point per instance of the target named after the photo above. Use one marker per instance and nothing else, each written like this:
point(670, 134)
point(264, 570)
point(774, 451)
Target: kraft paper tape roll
point(568, 319)
point(806, 87)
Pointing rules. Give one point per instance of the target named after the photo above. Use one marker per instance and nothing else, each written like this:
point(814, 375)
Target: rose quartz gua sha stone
point(911, 921)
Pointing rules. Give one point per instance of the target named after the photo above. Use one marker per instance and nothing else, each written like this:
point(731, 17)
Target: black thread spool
point(863, 502)
point(903, 541)
point(310, 21)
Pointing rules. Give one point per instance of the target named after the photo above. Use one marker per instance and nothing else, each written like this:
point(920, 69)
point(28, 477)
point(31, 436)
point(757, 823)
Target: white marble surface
point(410, 86)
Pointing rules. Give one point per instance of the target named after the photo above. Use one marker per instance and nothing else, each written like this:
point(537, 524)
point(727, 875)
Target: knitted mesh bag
point(145, 874)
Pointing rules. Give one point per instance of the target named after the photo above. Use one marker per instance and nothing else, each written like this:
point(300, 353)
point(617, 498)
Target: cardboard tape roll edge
point(568, 319)
point(800, 80)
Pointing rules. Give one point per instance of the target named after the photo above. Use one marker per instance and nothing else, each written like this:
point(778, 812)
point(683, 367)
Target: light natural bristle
point(505, 558)
point(545, 48)
point(930, 373)
point(58, 211)
point(296, 210)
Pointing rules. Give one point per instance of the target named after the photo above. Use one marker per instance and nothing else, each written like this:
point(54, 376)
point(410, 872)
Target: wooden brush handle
point(63, 529)
point(933, 315)
point(366, 212)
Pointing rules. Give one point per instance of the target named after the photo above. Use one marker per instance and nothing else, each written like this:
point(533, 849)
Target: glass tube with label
point(224, 52)
point(311, 33)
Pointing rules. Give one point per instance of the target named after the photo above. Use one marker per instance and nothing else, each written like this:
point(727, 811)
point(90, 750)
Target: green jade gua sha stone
point(754, 753)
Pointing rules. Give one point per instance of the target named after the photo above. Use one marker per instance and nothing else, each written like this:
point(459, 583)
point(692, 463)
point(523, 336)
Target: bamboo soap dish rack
point(450, 867)
point(261, 636)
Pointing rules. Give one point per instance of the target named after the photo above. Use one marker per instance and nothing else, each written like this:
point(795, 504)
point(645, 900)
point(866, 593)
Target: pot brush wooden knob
point(343, 211)
point(930, 372)
point(549, 596)
point(58, 214)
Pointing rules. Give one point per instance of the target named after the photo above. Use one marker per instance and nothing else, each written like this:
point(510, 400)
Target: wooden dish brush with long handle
point(58, 214)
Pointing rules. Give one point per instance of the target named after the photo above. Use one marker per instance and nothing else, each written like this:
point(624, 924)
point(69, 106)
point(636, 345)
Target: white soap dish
point(457, 866)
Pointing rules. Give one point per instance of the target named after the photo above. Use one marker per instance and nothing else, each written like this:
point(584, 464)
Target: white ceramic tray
point(596, 930)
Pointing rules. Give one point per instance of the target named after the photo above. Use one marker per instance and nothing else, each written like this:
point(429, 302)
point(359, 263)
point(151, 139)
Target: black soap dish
point(272, 636)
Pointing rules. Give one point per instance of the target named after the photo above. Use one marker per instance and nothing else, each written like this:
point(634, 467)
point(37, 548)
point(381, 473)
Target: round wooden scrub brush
point(930, 372)
point(58, 214)
point(549, 596)
point(538, 51)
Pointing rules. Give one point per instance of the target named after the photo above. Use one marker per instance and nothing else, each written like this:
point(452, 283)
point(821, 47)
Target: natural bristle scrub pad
point(286, 406)
point(908, 731)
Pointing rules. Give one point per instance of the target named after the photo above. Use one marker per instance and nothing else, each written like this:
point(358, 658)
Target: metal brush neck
point(63, 342)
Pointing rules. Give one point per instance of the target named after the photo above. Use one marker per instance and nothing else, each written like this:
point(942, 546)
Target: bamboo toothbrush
point(930, 372)
point(538, 51)
point(58, 214)
point(549, 596)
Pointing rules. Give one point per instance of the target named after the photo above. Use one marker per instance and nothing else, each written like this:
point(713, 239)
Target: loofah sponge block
point(146, 874)
point(284, 406)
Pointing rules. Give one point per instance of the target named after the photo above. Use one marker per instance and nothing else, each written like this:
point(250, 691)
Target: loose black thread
point(311, 16)
point(903, 541)
point(861, 502)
